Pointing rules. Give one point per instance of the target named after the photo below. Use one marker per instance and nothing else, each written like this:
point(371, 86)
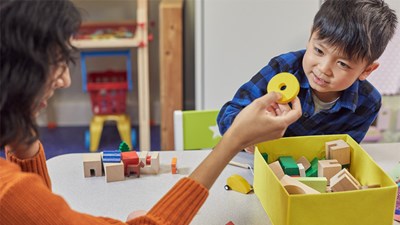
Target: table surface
point(117, 199)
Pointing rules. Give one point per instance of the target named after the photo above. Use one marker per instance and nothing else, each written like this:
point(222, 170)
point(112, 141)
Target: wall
point(387, 80)
point(236, 38)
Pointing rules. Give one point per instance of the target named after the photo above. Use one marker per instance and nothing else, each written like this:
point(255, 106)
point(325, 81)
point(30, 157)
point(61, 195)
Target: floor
point(63, 140)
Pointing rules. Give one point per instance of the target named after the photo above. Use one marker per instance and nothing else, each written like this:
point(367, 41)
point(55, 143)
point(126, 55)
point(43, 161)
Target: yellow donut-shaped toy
point(286, 84)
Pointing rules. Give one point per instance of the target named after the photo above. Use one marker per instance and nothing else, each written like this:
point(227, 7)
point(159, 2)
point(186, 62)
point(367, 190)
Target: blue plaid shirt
point(352, 114)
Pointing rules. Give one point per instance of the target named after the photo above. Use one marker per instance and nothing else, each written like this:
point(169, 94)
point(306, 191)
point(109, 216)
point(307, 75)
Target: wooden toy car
point(238, 183)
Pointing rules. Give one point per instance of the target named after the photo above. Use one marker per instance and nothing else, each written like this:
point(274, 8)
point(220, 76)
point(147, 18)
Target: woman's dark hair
point(34, 35)
point(361, 29)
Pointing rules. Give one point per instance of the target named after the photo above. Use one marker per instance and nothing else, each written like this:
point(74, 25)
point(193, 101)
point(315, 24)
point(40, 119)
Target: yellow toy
point(286, 84)
point(238, 183)
point(96, 127)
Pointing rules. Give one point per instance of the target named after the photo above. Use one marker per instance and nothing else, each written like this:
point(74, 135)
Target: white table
point(117, 199)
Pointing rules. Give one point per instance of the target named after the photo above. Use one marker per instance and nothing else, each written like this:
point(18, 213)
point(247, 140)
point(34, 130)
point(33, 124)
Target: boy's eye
point(318, 51)
point(344, 65)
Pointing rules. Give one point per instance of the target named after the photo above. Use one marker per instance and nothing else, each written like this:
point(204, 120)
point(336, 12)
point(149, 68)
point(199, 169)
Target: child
point(347, 37)
point(35, 51)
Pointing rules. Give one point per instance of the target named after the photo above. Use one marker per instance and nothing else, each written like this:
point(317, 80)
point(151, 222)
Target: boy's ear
point(373, 66)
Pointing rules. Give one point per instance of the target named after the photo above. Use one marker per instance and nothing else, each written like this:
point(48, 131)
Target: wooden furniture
point(140, 41)
point(171, 67)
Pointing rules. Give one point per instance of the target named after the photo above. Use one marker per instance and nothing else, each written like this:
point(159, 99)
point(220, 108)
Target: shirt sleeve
point(257, 86)
point(247, 93)
point(359, 130)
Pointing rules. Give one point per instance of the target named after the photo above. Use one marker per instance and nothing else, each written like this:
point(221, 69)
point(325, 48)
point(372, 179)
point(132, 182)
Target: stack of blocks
point(319, 176)
point(113, 167)
point(117, 164)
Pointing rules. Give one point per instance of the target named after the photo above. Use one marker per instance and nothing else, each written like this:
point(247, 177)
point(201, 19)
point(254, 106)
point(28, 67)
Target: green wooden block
point(313, 170)
point(318, 183)
point(265, 156)
point(289, 165)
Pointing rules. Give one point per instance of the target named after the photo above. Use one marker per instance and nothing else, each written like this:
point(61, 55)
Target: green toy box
point(374, 206)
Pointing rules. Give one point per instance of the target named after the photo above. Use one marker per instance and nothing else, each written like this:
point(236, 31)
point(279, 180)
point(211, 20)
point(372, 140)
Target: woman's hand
point(260, 121)
point(263, 120)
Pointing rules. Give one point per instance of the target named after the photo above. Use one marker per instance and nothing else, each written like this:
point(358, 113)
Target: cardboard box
point(367, 207)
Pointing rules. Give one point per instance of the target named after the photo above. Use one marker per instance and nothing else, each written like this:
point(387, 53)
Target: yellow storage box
point(373, 206)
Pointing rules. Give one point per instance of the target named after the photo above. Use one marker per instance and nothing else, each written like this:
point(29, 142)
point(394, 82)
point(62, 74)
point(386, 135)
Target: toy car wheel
point(227, 187)
point(87, 139)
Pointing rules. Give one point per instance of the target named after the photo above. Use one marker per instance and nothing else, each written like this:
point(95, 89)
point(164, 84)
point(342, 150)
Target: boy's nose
point(324, 68)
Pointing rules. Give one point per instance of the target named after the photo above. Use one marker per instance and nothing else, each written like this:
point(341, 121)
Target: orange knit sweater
point(26, 198)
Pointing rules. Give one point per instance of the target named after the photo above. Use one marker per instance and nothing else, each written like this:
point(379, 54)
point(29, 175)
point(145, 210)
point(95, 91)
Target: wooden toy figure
point(124, 147)
point(134, 168)
point(173, 165)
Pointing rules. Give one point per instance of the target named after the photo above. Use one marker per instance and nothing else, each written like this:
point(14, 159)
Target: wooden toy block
point(344, 181)
point(338, 150)
point(294, 186)
point(135, 169)
point(277, 169)
point(313, 170)
point(92, 165)
point(302, 170)
point(151, 162)
point(114, 171)
point(173, 165)
point(317, 183)
point(370, 186)
point(265, 156)
point(143, 156)
point(129, 158)
point(111, 156)
point(328, 168)
point(303, 160)
point(289, 166)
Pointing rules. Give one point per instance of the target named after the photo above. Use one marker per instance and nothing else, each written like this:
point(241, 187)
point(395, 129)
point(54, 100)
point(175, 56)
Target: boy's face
point(329, 71)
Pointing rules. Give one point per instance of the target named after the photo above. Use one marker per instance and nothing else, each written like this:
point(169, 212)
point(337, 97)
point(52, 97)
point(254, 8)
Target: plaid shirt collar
point(348, 99)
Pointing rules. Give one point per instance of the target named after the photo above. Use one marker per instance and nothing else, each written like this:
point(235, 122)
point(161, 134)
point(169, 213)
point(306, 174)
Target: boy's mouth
point(319, 81)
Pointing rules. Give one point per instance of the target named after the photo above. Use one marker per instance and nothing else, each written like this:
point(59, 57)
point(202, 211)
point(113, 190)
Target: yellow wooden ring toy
point(286, 84)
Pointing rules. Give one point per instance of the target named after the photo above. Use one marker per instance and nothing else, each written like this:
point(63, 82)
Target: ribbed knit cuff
point(181, 203)
point(36, 164)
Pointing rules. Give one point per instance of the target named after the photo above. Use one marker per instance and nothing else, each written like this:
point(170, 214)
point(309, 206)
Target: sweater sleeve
point(36, 164)
point(179, 205)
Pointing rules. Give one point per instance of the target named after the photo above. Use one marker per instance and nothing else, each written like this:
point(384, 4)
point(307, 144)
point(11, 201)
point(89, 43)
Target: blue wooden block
point(111, 156)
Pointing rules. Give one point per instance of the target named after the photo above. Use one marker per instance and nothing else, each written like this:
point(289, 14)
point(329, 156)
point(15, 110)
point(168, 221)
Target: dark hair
point(361, 29)
point(34, 35)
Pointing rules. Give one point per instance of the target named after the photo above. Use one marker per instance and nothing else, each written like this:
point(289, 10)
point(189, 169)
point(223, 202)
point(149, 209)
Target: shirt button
point(306, 114)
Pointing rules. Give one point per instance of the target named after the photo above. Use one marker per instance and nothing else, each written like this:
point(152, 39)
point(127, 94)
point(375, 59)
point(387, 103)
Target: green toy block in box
point(313, 170)
point(289, 165)
point(367, 207)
